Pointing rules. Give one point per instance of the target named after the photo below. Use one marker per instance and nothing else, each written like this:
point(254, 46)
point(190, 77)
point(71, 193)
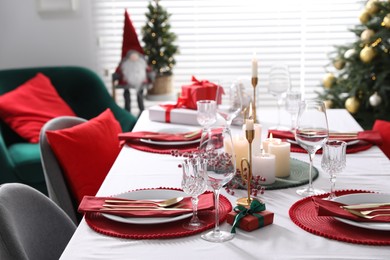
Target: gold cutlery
point(359, 214)
point(366, 205)
point(144, 209)
point(164, 203)
point(367, 212)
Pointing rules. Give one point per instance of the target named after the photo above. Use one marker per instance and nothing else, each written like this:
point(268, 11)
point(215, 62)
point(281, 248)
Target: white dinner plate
point(359, 198)
point(149, 195)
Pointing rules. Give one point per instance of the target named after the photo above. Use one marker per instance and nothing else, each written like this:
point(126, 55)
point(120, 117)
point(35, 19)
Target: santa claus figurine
point(133, 71)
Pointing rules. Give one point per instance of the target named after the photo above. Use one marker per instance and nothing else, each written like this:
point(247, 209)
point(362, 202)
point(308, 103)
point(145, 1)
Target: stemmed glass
point(279, 83)
point(217, 147)
point(231, 105)
point(333, 161)
point(311, 133)
point(292, 106)
point(194, 183)
point(206, 112)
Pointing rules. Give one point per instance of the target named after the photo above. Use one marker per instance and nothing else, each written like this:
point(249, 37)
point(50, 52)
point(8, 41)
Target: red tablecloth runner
point(105, 226)
point(303, 213)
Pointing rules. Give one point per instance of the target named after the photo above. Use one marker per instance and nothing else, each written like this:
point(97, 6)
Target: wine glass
point(279, 83)
point(217, 147)
point(206, 112)
point(333, 161)
point(311, 133)
point(230, 106)
point(194, 183)
point(292, 106)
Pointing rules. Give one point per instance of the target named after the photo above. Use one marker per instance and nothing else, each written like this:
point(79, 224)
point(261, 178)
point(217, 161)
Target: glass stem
point(280, 101)
point(216, 205)
point(194, 209)
point(332, 186)
point(293, 121)
point(311, 157)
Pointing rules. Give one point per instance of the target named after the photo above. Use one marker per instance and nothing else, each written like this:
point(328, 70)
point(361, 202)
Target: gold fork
point(359, 214)
point(367, 212)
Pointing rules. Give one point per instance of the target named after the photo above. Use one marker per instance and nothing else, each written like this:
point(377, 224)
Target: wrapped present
point(250, 218)
point(167, 113)
point(198, 90)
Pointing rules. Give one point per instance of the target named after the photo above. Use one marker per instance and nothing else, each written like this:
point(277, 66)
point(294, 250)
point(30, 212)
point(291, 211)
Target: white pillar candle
point(241, 149)
point(256, 143)
point(269, 140)
point(264, 165)
point(249, 124)
point(282, 157)
point(254, 66)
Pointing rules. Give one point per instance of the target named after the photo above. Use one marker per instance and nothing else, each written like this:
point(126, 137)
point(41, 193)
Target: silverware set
point(126, 205)
point(354, 209)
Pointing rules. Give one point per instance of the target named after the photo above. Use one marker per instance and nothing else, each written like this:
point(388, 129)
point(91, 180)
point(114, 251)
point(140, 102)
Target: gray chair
point(32, 226)
point(56, 184)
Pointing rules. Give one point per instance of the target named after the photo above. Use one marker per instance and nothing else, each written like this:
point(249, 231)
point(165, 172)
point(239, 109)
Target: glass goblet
point(333, 161)
point(194, 183)
point(217, 147)
point(279, 83)
point(206, 112)
point(311, 133)
point(231, 105)
point(292, 106)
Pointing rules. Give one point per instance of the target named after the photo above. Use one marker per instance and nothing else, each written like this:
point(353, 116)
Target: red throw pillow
point(383, 127)
point(86, 152)
point(28, 107)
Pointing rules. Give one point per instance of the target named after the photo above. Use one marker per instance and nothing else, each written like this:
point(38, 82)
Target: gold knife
point(366, 205)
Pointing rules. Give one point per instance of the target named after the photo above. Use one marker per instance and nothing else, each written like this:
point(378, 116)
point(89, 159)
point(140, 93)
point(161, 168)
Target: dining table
point(367, 171)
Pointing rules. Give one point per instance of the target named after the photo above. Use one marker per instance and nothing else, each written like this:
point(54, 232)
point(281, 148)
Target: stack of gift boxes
point(184, 110)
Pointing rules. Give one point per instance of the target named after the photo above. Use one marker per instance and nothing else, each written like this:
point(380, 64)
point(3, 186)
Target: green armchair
point(81, 89)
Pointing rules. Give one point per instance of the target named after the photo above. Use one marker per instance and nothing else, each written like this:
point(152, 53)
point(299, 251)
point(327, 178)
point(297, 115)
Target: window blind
point(217, 39)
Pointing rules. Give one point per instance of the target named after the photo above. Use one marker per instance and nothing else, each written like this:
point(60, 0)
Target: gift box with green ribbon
point(250, 218)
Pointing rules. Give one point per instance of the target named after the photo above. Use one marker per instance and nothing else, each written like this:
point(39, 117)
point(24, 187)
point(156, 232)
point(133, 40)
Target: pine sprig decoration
point(158, 40)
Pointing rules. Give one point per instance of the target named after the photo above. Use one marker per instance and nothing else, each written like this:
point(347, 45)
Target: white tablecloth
point(368, 170)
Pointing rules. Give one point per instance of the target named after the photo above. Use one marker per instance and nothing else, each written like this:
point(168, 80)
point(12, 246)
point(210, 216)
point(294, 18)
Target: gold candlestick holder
point(247, 175)
point(254, 85)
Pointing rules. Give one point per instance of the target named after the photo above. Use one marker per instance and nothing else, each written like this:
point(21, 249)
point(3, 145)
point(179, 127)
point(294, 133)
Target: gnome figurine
point(132, 71)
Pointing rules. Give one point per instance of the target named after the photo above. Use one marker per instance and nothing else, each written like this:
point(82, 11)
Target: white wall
point(29, 38)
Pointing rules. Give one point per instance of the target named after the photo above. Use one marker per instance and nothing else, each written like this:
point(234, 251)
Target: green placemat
point(299, 175)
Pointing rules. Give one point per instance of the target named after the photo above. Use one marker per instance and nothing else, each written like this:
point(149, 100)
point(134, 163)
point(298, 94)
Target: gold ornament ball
point(366, 35)
point(364, 17)
point(367, 54)
point(328, 80)
point(349, 53)
point(352, 104)
point(328, 103)
point(339, 64)
point(371, 7)
point(386, 21)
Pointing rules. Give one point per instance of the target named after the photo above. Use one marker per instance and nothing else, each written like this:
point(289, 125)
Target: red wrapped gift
point(198, 90)
point(251, 218)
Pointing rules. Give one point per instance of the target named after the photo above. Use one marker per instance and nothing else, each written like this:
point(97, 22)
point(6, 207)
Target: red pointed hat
point(130, 38)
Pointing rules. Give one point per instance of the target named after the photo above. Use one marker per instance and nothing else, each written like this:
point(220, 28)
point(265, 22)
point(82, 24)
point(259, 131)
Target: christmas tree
point(361, 80)
point(158, 40)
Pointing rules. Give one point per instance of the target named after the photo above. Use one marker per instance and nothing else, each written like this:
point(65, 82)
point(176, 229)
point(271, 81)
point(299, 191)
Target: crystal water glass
point(311, 133)
point(229, 93)
point(216, 146)
point(293, 98)
point(206, 112)
point(333, 161)
point(194, 183)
